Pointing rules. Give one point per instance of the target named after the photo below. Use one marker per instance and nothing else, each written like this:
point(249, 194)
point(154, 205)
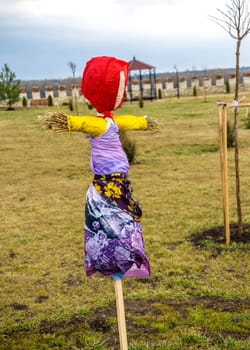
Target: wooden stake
point(224, 169)
point(121, 314)
point(222, 160)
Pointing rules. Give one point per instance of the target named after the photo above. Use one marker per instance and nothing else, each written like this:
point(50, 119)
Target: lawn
point(197, 297)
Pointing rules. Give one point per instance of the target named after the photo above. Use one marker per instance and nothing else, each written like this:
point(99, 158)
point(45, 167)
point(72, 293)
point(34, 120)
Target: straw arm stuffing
point(57, 121)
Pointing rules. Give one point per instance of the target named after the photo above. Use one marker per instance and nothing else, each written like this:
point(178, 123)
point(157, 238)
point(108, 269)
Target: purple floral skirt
point(113, 239)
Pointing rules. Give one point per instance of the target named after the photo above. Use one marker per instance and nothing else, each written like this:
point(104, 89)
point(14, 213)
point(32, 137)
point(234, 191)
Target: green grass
point(194, 299)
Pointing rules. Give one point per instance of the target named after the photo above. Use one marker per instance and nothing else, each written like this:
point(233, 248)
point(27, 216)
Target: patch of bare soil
point(102, 320)
point(99, 321)
point(217, 236)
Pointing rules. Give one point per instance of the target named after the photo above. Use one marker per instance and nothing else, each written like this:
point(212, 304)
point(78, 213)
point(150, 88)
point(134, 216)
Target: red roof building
point(140, 66)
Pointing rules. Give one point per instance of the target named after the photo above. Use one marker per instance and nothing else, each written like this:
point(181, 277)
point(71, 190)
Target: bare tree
point(72, 66)
point(235, 20)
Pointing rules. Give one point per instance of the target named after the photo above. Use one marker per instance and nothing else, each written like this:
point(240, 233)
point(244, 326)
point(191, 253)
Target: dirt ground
point(216, 236)
point(100, 320)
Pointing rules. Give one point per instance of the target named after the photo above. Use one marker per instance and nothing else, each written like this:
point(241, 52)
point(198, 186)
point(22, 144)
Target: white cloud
point(161, 32)
point(135, 17)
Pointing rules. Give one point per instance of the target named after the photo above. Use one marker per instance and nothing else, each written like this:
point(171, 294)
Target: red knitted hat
point(104, 81)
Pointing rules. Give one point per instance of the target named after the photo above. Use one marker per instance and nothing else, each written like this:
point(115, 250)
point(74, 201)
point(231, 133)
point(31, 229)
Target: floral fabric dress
point(112, 231)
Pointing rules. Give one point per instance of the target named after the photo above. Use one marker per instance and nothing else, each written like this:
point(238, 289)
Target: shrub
point(70, 105)
point(25, 101)
point(141, 102)
point(247, 121)
point(227, 85)
point(159, 94)
point(50, 101)
point(230, 135)
point(194, 91)
point(128, 145)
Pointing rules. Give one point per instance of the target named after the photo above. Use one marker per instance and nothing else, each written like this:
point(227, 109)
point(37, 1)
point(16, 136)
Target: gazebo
point(136, 65)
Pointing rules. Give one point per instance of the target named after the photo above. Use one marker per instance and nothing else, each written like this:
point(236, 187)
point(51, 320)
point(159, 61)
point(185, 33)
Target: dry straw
point(57, 121)
point(152, 124)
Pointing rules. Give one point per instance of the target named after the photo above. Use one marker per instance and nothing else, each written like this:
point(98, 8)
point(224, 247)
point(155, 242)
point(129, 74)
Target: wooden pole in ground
point(120, 314)
point(221, 159)
point(224, 169)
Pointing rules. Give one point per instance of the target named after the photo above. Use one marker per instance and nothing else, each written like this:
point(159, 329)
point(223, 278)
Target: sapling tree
point(9, 88)
point(235, 20)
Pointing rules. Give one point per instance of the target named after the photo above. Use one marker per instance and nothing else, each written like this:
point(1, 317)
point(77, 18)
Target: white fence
point(168, 86)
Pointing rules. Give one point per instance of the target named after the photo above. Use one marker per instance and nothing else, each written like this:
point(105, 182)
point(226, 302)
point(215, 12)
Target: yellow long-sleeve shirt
point(96, 126)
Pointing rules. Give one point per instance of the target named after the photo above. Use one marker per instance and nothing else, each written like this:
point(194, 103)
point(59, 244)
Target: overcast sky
point(39, 37)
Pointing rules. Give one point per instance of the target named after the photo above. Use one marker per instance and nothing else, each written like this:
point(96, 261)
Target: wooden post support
point(224, 169)
point(121, 314)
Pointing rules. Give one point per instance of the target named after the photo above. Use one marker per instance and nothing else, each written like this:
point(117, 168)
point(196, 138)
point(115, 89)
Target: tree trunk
point(236, 147)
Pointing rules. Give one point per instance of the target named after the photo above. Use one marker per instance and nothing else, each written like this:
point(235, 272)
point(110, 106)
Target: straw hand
point(56, 120)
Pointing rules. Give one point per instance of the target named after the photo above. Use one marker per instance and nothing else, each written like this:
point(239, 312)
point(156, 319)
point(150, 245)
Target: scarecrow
point(112, 231)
